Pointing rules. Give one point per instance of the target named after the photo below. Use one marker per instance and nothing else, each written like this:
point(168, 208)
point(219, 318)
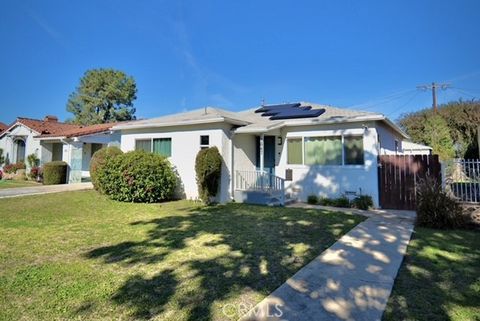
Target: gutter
point(181, 123)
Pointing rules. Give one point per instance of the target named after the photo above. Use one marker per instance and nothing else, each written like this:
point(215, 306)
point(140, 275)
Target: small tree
point(33, 160)
point(208, 167)
point(2, 158)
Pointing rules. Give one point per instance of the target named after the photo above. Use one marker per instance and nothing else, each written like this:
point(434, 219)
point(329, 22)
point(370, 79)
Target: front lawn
point(439, 278)
point(81, 256)
point(14, 183)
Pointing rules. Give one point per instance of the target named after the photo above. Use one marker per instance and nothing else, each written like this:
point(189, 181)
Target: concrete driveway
point(46, 189)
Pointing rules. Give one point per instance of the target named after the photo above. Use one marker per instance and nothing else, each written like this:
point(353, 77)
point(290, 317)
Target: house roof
point(252, 122)
point(80, 131)
point(50, 125)
point(414, 146)
point(3, 127)
point(198, 116)
point(332, 115)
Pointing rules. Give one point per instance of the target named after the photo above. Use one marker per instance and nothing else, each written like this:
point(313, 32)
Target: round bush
point(208, 167)
point(55, 173)
point(98, 161)
point(137, 177)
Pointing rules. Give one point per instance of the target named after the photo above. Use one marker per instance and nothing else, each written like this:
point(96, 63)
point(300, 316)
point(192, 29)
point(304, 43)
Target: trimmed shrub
point(312, 199)
point(342, 201)
point(208, 167)
point(12, 168)
point(137, 177)
point(363, 202)
point(435, 208)
point(325, 201)
point(55, 173)
point(98, 161)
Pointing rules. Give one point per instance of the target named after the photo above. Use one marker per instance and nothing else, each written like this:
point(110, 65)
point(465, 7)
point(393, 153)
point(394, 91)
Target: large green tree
point(104, 95)
point(462, 119)
point(437, 136)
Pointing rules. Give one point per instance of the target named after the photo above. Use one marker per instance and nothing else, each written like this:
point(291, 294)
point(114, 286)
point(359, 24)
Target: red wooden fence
point(398, 176)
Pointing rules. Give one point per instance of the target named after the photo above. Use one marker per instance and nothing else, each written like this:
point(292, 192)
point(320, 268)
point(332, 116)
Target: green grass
point(13, 184)
point(439, 278)
point(81, 256)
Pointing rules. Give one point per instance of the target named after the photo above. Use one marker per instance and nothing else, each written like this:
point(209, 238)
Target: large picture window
point(162, 146)
point(323, 150)
point(353, 150)
point(294, 151)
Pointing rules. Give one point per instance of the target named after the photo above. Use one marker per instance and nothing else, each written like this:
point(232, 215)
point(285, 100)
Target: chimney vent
point(50, 118)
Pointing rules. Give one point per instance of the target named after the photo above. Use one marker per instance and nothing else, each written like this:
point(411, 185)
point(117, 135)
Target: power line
point(415, 94)
point(434, 86)
point(383, 100)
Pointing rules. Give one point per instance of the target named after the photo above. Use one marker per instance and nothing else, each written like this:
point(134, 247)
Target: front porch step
point(260, 198)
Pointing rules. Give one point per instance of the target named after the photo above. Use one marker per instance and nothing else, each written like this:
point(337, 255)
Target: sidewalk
point(350, 281)
point(47, 189)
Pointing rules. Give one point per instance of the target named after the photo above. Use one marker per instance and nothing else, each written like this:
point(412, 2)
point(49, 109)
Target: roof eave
point(181, 123)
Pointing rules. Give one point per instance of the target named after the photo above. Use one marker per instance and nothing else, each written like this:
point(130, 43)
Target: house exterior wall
point(185, 146)
point(332, 180)
point(32, 146)
point(387, 138)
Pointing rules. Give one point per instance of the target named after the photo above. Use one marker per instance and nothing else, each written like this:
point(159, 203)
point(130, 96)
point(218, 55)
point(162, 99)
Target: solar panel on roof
point(292, 114)
point(271, 107)
point(289, 111)
point(277, 111)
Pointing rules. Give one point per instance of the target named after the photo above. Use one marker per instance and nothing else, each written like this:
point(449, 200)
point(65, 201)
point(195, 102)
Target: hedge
point(137, 177)
point(55, 173)
point(98, 161)
point(208, 168)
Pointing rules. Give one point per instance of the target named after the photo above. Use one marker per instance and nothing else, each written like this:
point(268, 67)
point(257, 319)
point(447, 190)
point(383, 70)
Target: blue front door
point(268, 155)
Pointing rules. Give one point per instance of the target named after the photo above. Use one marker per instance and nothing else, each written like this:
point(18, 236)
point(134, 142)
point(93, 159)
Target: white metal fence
point(462, 179)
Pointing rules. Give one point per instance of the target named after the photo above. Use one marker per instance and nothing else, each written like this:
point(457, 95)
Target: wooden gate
point(398, 176)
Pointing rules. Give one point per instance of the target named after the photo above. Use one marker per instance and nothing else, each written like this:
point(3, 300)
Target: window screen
point(294, 151)
point(353, 152)
point(323, 150)
point(144, 144)
point(163, 146)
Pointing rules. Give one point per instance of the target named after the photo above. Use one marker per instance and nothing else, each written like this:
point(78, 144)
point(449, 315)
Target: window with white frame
point(204, 141)
point(326, 150)
point(160, 146)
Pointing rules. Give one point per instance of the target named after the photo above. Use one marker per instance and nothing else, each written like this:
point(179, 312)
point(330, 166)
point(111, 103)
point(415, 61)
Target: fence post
point(443, 172)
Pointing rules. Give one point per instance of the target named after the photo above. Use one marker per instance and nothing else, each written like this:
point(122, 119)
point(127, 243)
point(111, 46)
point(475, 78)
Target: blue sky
point(187, 54)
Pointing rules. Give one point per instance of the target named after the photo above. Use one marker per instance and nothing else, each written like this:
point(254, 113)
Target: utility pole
point(434, 86)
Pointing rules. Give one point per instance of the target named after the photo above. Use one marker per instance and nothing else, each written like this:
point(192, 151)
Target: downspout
point(232, 164)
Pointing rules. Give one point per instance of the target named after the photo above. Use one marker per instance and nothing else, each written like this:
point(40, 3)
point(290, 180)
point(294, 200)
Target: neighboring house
point(51, 140)
point(271, 151)
point(411, 148)
point(3, 127)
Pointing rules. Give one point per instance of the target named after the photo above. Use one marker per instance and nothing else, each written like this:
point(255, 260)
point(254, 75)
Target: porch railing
point(463, 179)
point(260, 181)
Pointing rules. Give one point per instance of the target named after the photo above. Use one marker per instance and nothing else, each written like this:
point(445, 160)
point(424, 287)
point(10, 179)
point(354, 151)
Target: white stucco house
point(274, 151)
point(51, 140)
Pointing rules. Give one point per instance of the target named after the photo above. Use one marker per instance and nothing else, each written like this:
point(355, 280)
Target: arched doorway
point(19, 150)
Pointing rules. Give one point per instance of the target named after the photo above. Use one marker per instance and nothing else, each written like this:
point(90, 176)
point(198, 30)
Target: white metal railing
point(463, 179)
point(260, 181)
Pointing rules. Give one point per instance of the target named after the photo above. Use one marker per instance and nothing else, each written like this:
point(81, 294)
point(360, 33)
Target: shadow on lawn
point(431, 281)
point(260, 257)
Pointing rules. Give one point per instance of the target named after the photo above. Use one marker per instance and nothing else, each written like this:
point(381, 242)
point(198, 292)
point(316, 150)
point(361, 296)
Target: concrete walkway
point(47, 189)
point(351, 280)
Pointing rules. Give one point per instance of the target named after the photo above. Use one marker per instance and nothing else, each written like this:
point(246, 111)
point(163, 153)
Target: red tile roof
point(81, 131)
point(51, 127)
point(3, 127)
